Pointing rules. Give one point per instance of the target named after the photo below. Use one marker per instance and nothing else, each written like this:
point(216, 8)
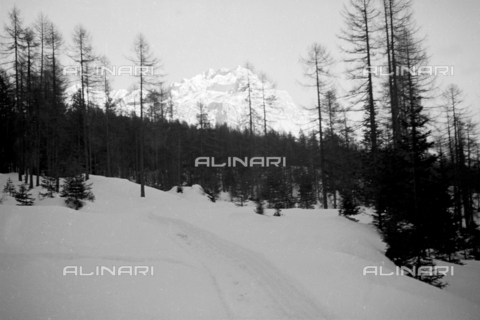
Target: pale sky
point(191, 36)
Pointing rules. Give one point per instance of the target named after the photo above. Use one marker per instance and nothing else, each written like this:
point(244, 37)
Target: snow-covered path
point(212, 261)
point(248, 285)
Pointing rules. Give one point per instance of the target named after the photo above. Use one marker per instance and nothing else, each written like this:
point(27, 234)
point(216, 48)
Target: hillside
point(210, 261)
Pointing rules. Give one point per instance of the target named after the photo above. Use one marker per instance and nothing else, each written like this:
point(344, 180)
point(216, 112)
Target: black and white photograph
point(239, 160)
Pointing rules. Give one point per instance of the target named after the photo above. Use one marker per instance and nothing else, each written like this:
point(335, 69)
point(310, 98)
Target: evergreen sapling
point(9, 188)
point(259, 206)
point(77, 191)
point(306, 192)
point(49, 184)
point(348, 205)
point(23, 197)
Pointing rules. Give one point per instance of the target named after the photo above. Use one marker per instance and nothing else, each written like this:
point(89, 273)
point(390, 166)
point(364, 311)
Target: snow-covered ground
point(210, 261)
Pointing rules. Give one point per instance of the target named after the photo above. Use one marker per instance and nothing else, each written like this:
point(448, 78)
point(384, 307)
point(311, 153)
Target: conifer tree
point(316, 68)
point(249, 86)
point(410, 226)
point(306, 191)
point(23, 197)
point(267, 99)
point(241, 189)
point(211, 185)
point(13, 45)
point(82, 54)
point(8, 124)
point(9, 188)
point(359, 34)
point(348, 205)
point(259, 208)
point(277, 191)
point(148, 77)
point(77, 191)
point(361, 49)
point(49, 184)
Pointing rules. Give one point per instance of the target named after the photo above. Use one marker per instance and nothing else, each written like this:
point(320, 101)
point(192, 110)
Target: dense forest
point(414, 158)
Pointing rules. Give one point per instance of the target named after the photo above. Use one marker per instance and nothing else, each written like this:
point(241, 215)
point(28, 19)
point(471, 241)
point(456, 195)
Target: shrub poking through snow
point(77, 191)
point(23, 197)
point(9, 188)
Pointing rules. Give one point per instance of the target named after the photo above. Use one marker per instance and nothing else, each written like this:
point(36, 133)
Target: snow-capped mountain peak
point(224, 95)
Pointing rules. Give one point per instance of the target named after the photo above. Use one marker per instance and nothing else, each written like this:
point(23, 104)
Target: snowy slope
point(210, 260)
point(224, 95)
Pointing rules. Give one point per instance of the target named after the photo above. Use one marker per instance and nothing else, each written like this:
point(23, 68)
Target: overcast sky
point(191, 36)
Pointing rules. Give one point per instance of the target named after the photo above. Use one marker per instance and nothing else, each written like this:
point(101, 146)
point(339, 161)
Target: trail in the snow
point(248, 284)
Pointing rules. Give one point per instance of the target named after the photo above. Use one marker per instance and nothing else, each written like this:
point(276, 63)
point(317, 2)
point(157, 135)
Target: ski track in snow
point(249, 286)
point(76, 256)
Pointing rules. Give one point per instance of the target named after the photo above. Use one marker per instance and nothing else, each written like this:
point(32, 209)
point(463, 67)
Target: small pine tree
point(77, 191)
point(239, 195)
point(240, 190)
point(471, 246)
point(9, 188)
point(212, 189)
point(278, 211)
point(348, 205)
point(65, 186)
point(447, 248)
point(306, 192)
point(279, 189)
point(273, 189)
point(23, 197)
point(276, 191)
point(259, 206)
point(49, 184)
